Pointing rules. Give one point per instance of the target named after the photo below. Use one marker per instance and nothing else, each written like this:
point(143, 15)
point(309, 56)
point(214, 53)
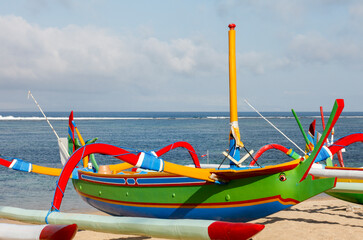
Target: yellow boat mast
point(233, 87)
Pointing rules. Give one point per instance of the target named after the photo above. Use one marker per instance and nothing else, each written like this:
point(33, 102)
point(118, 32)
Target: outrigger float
point(37, 232)
point(159, 189)
point(161, 228)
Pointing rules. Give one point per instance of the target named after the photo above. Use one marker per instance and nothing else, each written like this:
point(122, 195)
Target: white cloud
point(259, 62)
point(140, 68)
point(73, 56)
point(356, 10)
point(313, 47)
point(281, 9)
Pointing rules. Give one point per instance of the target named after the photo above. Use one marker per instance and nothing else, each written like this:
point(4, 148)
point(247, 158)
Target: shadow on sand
point(336, 211)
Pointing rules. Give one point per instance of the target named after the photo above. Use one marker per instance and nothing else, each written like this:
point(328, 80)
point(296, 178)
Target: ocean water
point(26, 135)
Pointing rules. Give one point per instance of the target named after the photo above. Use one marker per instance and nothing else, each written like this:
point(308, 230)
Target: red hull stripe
point(344, 168)
point(278, 198)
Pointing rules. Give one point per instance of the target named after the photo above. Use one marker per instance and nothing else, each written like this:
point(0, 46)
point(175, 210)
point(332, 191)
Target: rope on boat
point(249, 153)
point(274, 126)
point(53, 208)
point(253, 159)
point(50, 125)
point(225, 158)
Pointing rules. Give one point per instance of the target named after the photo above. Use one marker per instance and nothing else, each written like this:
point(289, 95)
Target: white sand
point(318, 218)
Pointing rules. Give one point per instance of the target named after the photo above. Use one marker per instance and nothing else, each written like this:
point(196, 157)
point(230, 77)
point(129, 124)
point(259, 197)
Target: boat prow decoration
point(349, 185)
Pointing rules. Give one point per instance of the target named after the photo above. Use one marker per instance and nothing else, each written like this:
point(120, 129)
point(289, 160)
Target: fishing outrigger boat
point(145, 185)
point(168, 190)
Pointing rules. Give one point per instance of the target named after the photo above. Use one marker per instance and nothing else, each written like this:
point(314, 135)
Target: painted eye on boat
point(282, 177)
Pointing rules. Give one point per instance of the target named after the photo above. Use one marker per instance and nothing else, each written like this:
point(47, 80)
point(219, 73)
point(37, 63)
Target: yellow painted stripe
point(198, 173)
point(116, 168)
point(176, 169)
point(46, 170)
point(350, 180)
point(85, 159)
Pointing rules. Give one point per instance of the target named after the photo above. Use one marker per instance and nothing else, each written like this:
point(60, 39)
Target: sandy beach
point(324, 218)
point(317, 218)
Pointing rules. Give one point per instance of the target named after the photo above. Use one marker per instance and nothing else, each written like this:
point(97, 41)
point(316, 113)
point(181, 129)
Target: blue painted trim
point(130, 181)
point(70, 134)
point(104, 180)
point(22, 165)
point(322, 155)
point(142, 181)
point(234, 152)
point(168, 180)
point(152, 162)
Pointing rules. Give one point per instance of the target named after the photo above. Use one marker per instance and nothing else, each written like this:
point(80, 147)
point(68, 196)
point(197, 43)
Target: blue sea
point(26, 135)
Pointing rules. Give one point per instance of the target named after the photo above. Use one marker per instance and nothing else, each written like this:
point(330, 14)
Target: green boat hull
point(169, 196)
point(350, 197)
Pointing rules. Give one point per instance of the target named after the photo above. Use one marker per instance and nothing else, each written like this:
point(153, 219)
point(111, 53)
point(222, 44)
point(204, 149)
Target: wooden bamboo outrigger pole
point(235, 142)
point(232, 74)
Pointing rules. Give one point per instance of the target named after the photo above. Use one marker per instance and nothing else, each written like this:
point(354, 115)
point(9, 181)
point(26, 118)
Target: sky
point(172, 55)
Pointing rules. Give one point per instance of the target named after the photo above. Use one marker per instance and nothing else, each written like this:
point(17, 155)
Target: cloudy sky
point(172, 55)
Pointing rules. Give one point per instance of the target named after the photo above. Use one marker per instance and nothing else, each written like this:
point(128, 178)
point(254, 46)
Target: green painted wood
point(350, 197)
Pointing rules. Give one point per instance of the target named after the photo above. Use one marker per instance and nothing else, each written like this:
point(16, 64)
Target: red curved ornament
point(106, 149)
point(5, 162)
point(345, 141)
point(334, 148)
point(340, 158)
point(182, 144)
point(82, 152)
point(268, 147)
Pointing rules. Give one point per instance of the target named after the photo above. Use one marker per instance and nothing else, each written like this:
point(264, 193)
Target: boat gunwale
point(226, 173)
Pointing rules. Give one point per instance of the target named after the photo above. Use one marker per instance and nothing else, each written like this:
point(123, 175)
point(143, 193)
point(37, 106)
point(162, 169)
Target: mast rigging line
point(245, 100)
point(31, 95)
point(61, 144)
